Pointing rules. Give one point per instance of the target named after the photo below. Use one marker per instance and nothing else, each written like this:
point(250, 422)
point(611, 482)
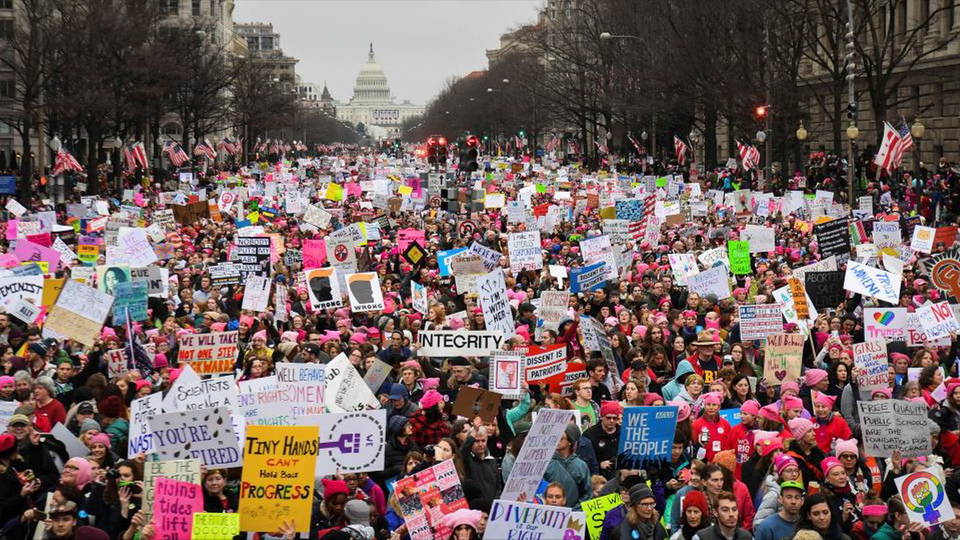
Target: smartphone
point(40, 515)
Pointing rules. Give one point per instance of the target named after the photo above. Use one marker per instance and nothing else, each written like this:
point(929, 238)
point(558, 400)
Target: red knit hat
point(332, 487)
point(696, 499)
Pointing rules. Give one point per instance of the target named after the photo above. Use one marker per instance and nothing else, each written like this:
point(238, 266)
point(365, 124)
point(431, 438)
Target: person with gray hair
point(49, 411)
point(23, 385)
point(479, 465)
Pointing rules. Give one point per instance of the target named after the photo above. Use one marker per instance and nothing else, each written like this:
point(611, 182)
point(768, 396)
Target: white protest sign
point(491, 257)
point(67, 255)
point(938, 320)
point(350, 442)
point(323, 288)
point(256, 293)
point(493, 301)
point(515, 520)
point(922, 239)
point(364, 291)
point(142, 410)
point(762, 239)
point(418, 294)
point(871, 281)
point(303, 386)
point(24, 310)
point(345, 390)
point(525, 251)
point(598, 249)
point(683, 266)
point(15, 207)
point(459, 342)
point(888, 324)
point(210, 393)
point(924, 495)
point(713, 281)
point(535, 454)
point(187, 379)
point(204, 434)
point(891, 425)
point(870, 367)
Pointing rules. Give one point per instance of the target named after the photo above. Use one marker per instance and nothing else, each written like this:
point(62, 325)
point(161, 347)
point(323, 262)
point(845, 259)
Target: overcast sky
point(419, 43)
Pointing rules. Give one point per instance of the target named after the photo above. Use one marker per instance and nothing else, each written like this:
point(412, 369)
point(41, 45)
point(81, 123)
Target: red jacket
point(836, 428)
point(713, 436)
point(743, 445)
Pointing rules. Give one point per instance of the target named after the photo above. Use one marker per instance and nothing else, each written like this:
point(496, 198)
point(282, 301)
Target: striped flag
point(601, 148)
point(65, 162)
point(230, 146)
point(680, 148)
point(553, 143)
point(889, 148)
point(636, 145)
point(638, 228)
point(175, 154)
point(204, 148)
point(140, 155)
point(906, 143)
point(749, 155)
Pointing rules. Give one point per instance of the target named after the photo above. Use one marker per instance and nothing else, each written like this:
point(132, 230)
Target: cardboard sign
point(890, 425)
point(510, 519)
point(187, 470)
point(278, 477)
point(646, 435)
point(472, 402)
point(458, 342)
point(364, 292)
point(14, 289)
point(784, 358)
point(215, 526)
point(525, 251)
point(209, 354)
point(78, 314)
point(224, 274)
point(887, 324)
point(535, 454)
point(760, 321)
point(924, 495)
point(256, 293)
point(204, 434)
point(493, 301)
point(870, 367)
point(938, 320)
point(799, 294)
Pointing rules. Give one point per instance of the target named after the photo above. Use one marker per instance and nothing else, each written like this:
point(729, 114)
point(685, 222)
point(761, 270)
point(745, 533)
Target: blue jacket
point(672, 389)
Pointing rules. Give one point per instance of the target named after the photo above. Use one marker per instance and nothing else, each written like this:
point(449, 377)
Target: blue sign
point(443, 260)
point(646, 435)
point(8, 185)
point(588, 278)
point(732, 416)
point(130, 300)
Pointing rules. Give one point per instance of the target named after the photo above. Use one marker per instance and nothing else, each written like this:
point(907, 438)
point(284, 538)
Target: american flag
point(275, 147)
point(204, 148)
point(906, 143)
point(230, 146)
point(135, 155)
point(638, 228)
point(636, 145)
point(553, 143)
point(680, 148)
point(65, 162)
point(175, 153)
point(518, 142)
point(889, 148)
point(601, 148)
point(749, 155)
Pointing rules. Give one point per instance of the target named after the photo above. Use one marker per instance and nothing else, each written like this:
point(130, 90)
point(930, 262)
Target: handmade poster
point(535, 454)
point(509, 519)
point(252, 255)
point(491, 257)
point(886, 236)
point(944, 272)
point(871, 281)
point(833, 238)
point(418, 295)
point(890, 425)
point(938, 320)
point(598, 248)
point(376, 374)
point(427, 496)
point(302, 386)
point(646, 435)
point(595, 510)
point(683, 265)
point(209, 394)
point(545, 363)
point(345, 390)
point(588, 278)
point(133, 248)
point(323, 287)
point(78, 314)
point(28, 251)
point(209, 354)
point(472, 402)
point(714, 280)
point(256, 293)
point(916, 337)
point(784, 358)
point(497, 314)
point(888, 324)
point(204, 434)
point(525, 251)
point(156, 279)
point(738, 253)
point(116, 362)
point(364, 292)
point(828, 264)
point(349, 442)
point(109, 276)
point(459, 342)
point(924, 495)
point(552, 310)
point(140, 439)
point(825, 288)
point(263, 404)
point(760, 321)
point(922, 239)
point(870, 367)
point(506, 373)
point(760, 238)
point(174, 504)
point(184, 470)
point(130, 302)
point(13, 289)
point(24, 310)
point(215, 526)
point(277, 481)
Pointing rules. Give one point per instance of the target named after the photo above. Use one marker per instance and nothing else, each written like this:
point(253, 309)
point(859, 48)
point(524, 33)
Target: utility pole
point(851, 106)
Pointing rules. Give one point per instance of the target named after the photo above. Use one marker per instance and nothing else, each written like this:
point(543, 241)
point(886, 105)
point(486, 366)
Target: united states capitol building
point(373, 106)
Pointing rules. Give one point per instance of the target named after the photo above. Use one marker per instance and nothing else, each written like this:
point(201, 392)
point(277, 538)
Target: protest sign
point(256, 293)
point(924, 495)
point(209, 354)
point(155, 278)
point(646, 435)
point(598, 249)
point(302, 386)
point(618, 230)
point(418, 295)
point(472, 402)
point(799, 294)
point(349, 441)
point(588, 278)
point(525, 251)
point(870, 367)
point(13, 289)
point(497, 314)
point(24, 310)
point(938, 320)
point(345, 390)
point(886, 236)
point(833, 237)
point(491, 257)
point(208, 394)
point(509, 519)
point(596, 509)
point(544, 363)
point(944, 272)
point(174, 504)
point(425, 497)
point(506, 373)
point(683, 265)
point(825, 289)
point(738, 253)
point(323, 287)
point(29, 251)
point(184, 470)
point(204, 434)
point(828, 264)
point(891, 425)
point(376, 374)
point(535, 454)
point(116, 362)
point(760, 238)
point(130, 302)
point(552, 310)
point(78, 314)
point(277, 482)
point(140, 439)
point(364, 291)
point(252, 255)
point(215, 526)
point(922, 239)
point(224, 274)
point(889, 324)
point(784, 358)
point(871, 281)
point(459, 342)
point(760, 321)
point(714, 280)
point(263, 404)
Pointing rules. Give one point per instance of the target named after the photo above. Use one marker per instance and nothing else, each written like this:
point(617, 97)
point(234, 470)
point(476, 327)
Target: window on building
point(169, 7)
point(266, 43)
point(6, 4)
point(6, 29)
point(196, 8)
point(5, 129)
point(8, 89)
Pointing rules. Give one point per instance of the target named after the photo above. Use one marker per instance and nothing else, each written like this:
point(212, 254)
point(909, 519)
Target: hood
point(683, 368)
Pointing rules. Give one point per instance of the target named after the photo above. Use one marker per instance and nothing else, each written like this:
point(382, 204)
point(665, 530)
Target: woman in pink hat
point(829, 426)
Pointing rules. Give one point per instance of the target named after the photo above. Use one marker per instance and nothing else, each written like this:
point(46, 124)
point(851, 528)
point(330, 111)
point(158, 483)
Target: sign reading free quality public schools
point(458, 343)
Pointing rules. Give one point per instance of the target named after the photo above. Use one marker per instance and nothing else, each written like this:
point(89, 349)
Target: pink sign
point(314, 253)
point(174, 503)
point(28, 251)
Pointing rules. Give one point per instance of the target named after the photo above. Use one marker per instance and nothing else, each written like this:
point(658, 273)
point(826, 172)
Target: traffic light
point(432, 150)
point(761, 112)
point(852, 111)
point(442, 150)
point(469, 154)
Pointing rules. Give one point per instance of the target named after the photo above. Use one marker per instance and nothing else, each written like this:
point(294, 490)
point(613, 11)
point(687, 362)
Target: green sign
point(738, 251)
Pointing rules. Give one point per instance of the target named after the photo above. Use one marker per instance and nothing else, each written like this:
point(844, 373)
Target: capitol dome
point(371, 85)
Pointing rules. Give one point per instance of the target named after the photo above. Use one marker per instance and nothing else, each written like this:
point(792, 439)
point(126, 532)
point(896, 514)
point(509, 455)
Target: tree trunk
point(710, 137)
point(26, 162)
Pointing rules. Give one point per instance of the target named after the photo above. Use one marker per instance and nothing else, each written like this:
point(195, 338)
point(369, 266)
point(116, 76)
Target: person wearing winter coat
point(673, 388)
point(641, 521)
point(569, 470)
point(785, 469)
point(399, 443)
point(829, 426)
point(712, 432)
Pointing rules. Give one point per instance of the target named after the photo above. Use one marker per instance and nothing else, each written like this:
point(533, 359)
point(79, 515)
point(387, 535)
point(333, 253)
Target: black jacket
point(484, 471)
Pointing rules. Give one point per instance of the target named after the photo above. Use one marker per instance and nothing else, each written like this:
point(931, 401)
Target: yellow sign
point(44, 265)
point(334, 192)
point(51, 290)
point(88, 253)
point(211, 526)
point(596, 509)
point(277, 481)
point(405, 190)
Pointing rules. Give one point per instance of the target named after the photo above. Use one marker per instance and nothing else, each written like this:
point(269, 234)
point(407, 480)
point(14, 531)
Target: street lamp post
point(916, 131)
point(852, 133)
